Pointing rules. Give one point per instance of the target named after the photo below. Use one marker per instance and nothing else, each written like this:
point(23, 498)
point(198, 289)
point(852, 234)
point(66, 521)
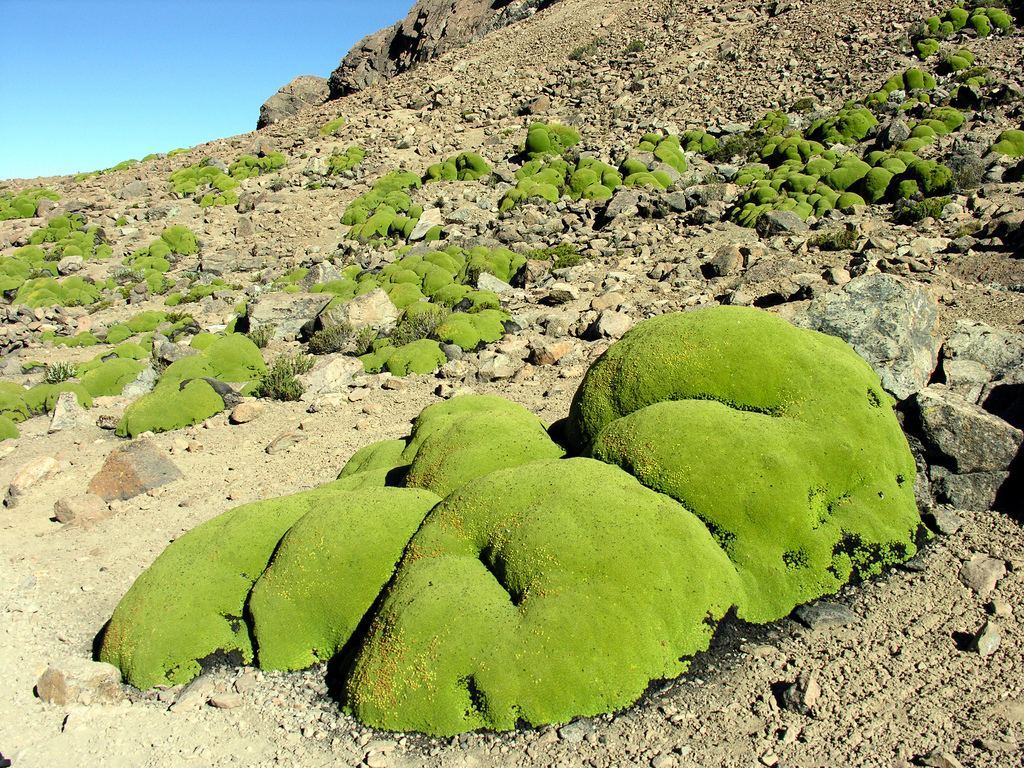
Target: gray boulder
point(371, 310)
point(999, 351)
point(304, 91)
point(964, 436)
point(289, 313)
point(892, 323)
point(429, 29)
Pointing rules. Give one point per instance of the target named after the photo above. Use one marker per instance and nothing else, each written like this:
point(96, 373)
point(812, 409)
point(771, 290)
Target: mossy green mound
point(72, 291)
point(208, 185)
point(250, 166)
point(733, 461)
point(347, 160)
point(454, 442)
point(543, 139)
point(466, 166)
point(386, 211)
point(819, 485)
point(182, 397)
point(328, 570)
point(8, 429)
point(23, 205)
point(536, 594)
point(1010, 143)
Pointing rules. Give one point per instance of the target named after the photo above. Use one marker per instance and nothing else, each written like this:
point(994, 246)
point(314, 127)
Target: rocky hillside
point(230, 323)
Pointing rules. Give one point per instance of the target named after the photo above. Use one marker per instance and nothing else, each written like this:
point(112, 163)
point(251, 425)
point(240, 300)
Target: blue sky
point(85, 84)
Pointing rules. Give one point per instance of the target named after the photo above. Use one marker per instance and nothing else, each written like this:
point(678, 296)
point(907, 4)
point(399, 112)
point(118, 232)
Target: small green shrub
point(280, 382)
point(913, 211)
point(835, 239)
point(586, 50)
point(636, 46)
point(561, 256)
point(250, 166)
point(261, 335)
point(345, 161)
point(60, 372)
point(418, 324)
point(332, 127)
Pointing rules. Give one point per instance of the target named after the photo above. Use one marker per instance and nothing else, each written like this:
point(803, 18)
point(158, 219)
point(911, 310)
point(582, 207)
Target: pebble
point(825, 614)
point(982, 573)
point(987, 641)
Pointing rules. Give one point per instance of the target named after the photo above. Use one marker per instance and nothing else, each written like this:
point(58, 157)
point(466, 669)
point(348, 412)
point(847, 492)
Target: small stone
point(769, 759)
point(780, 222)
point(728, 260)
point(194, 695)
point(81, 510)
point(824, 615)
point(574, 732)
point(987, 641)
point(133, 469)
point(609, 300)
point(938, 758)
point(945, 521)
point(1000, 608)
point(246, 411)
point(546, 352)
point(802, 695)
point(67, 413)
point(107, 421)
point(488, 282)
point(286, 440)
point(561, 293)
point(982, 573)
point(246, 681)
point(226, 701)
point(664, 761)
point(610, 325)
point(29, 474)
point(80, 681)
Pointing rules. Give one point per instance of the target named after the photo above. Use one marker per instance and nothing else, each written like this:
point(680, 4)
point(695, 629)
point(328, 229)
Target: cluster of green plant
point(70, 236)
point(561, 256)
point(59, 372)
point(913, 211)
point(800, 172)
point(439, 303)
point(338, 337)
point(24, 204)
point(1010, 143)
point(466, 166)
point(840, 239)
point(982, 18)
point(576, 581)
point(18, 403)
point(207, 184)
point(126, 164)
point(549, 179)
point(152, 263)
point(346, 161)
point(587, 49)
point(386, 211)
point(280, 381)
point(332, 127)
point(261, 335)
point(546, 139)
point(636, 46)
point(250, 166)
point(184, 394)
point(197, 292)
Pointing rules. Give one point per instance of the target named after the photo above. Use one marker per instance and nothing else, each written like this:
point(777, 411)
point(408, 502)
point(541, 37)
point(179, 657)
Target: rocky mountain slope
point(856, 168)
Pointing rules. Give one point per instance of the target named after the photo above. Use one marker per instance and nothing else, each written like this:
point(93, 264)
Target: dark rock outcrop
point(430, 28)
point(303, 91)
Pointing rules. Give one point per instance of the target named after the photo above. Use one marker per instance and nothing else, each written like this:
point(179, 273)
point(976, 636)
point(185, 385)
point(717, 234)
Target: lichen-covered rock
point(537, 594)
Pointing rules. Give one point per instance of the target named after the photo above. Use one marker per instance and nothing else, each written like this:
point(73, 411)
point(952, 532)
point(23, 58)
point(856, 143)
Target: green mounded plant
point(8, 429)
point(182, 397)
point(730, 462)
point(250, 166)
point(331, 127)
point(546, 139)
point(386, 211)
point(281, 381)
point(841, 239)
point(207, 184)
point(466, 166)
point(346, 161)
point(1010, 143)
point(636, 46)
point(24, 204)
